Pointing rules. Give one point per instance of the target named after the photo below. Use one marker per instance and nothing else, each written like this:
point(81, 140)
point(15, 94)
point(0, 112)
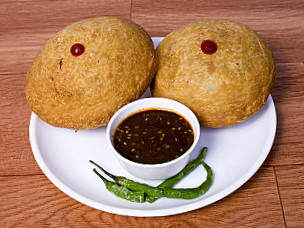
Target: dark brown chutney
point(153, 136)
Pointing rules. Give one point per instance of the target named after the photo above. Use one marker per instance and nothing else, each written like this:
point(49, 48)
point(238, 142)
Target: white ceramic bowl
point(153, 171)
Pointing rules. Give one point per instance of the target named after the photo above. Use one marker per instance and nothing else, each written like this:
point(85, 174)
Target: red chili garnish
point(77, 49)
point(208, 47)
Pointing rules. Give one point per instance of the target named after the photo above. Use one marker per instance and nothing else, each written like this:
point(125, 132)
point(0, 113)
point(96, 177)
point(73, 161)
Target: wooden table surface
point(273, 197)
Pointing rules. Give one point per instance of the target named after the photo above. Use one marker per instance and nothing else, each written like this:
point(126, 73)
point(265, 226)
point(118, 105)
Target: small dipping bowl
point(153, 171)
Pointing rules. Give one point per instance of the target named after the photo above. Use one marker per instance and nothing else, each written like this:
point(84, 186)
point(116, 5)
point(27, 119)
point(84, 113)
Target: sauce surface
point(153, 136)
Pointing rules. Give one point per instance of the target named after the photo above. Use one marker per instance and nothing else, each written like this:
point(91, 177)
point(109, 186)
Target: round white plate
point(235, 154)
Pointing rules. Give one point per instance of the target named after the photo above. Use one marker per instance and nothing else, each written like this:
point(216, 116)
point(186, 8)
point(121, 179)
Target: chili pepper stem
point(101, 177)
point(122, 192)
point(103, 170)
point(132, 185)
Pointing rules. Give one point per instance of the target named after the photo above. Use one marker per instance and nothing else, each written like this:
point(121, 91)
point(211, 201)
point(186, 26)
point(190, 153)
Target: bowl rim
point(194, 124)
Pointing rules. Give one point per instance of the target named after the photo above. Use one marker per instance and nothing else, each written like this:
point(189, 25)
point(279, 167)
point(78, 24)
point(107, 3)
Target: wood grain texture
point(25, 26)
point(291, 187)
point(272, 198)
point(280, 23)
point(16, 157)
point(32, 201)
point(288, 95)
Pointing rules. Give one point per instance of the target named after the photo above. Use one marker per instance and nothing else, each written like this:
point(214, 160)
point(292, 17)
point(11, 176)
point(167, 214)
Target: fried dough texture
point(223, 88)
point(83, 92)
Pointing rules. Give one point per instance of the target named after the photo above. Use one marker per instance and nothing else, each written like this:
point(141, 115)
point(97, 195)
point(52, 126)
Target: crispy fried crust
point(84, 92)
point(224, 88)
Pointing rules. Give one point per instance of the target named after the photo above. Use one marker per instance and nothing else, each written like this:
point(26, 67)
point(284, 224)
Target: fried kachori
point(220, 69)
point(88, 70)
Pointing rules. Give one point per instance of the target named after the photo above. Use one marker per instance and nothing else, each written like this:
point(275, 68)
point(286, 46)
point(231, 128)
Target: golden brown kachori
point(224, 87)
point(112, 62)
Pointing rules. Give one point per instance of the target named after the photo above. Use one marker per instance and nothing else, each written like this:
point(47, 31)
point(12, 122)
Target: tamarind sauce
point(153, 136)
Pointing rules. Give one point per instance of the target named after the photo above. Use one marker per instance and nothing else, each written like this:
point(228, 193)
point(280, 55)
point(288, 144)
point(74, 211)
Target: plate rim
point(155, 212)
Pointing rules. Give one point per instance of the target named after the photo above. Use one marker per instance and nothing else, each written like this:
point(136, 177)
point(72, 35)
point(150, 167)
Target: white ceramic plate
point(235, 154)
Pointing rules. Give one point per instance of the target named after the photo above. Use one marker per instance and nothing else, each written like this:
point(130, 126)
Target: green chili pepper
point(132, 185)
point(170, 182)
point(136, 192)
point(122, 192)
point(191, 193)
